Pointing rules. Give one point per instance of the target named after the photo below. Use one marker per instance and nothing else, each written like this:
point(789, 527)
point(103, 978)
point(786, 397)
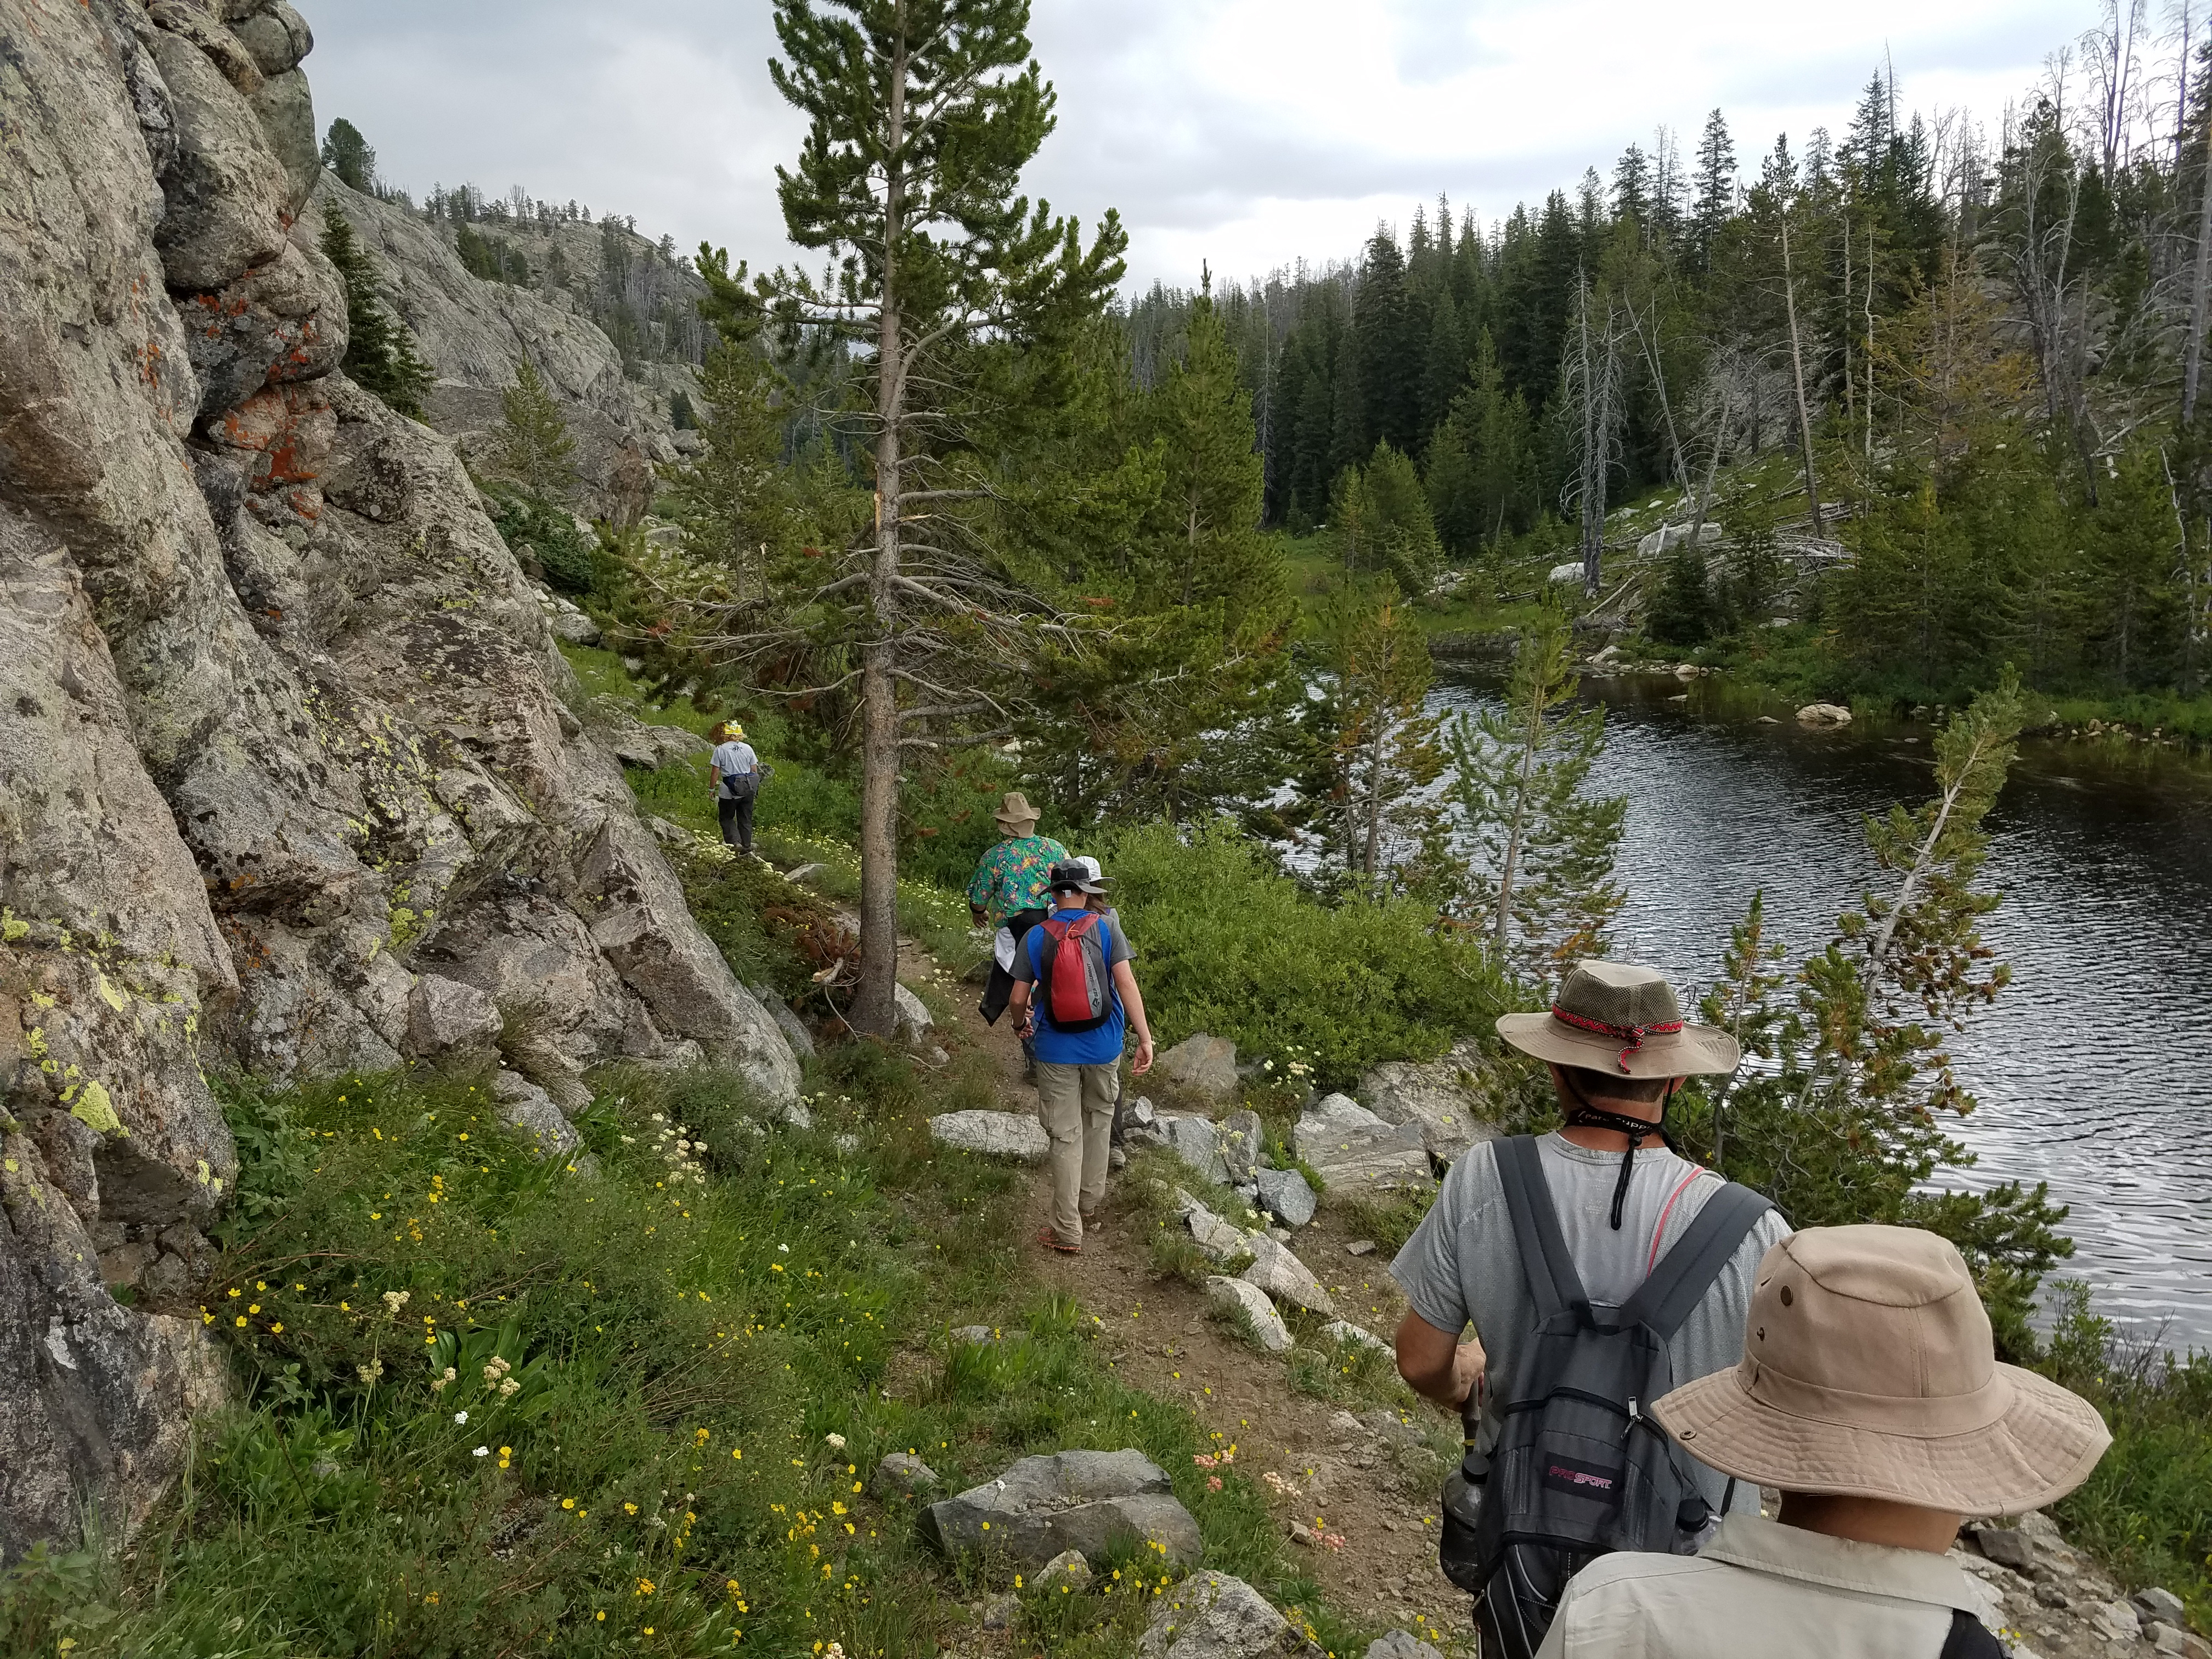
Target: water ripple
point(2094, 1068)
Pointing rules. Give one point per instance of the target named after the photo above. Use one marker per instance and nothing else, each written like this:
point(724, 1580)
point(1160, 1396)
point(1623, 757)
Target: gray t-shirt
point(1462, 1265)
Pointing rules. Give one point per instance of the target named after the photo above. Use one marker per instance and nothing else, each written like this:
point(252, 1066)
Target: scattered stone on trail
point(1285, 1195)
point(807, 875)
point(1211, 1615)
point(1203, 1066)
point(1238, 1295)
point(1222, 1241)
point(1360, 1247)
point(2163, 1605)
point(1440, 1095)
point(1768, 719)
point(1386, 1424)
point(2115, 1621)
point(974, 1335)
point(1284, 1277)
point(793, 1028)
point(1142, 1125)
point(1401, 1644)
point(901, 1474)
point(1067, 1568)
point(1197, 1142)
point(1243, 1146)
point(561, 616)
point(1343, 1423)
point(525, 1107)
point(1000, 1611)
point(2007, 1548)
point(1354, 1336)
point(1824, 713)
point(796, 1117)
point(1070, 1500)
point(994, 1135)
point(1354, 1152)
point(913, 1017)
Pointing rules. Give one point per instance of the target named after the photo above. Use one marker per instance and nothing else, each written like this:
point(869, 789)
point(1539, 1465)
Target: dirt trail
point(1359, 1486)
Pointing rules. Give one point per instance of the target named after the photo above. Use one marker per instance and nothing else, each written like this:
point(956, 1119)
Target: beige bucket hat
point(1015, 814)
point(1614, 1017)
point(1868, 1370)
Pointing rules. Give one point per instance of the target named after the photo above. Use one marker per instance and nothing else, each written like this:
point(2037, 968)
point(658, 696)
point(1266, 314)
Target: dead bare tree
point(1593, 402)
point(2113, 54)
point(1797, 369)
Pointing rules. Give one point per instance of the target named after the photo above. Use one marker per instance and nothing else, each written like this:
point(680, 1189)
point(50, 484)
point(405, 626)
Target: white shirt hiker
point(733, 759)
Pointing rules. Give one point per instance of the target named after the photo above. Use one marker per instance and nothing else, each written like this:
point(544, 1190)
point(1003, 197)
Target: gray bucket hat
point(1614, 1017)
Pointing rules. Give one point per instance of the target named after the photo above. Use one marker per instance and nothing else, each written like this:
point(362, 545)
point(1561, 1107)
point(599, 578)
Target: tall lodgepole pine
point(2192, 361)
point(1797, 368)
point(921, 115)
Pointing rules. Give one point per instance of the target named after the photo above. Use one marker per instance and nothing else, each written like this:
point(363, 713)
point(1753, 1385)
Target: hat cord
point(1632, 1034)
point(1635, 1128)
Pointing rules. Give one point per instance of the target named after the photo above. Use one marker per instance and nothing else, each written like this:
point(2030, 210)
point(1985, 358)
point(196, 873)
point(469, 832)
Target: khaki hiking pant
point(1076, 1103)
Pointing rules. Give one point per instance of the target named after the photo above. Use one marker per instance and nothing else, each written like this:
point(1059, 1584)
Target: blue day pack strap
point(1688, 1269)
point(1552, 1280)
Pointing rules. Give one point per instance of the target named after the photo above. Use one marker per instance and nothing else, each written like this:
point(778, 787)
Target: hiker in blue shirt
point(735, 772)
point(1077, 962)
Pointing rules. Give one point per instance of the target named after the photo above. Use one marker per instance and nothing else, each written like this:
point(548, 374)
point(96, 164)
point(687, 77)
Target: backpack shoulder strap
point(1688, 1270)
point(1552, 1280)
point(1970, 1638)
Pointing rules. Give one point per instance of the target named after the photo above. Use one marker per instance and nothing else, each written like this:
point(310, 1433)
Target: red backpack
point(1075, 986)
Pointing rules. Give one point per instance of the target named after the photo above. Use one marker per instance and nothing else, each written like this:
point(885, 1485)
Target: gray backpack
point(1580, 1470)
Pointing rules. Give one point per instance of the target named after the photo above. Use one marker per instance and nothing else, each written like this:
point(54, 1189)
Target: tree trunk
point(875, 1009)
point(2193, 357)
point(1797, 368)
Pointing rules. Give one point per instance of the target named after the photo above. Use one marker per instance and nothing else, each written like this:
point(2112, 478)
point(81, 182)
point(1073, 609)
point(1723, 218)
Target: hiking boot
point(1052, 1240)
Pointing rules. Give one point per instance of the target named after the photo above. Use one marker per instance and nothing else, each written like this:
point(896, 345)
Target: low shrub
point(1228, 944)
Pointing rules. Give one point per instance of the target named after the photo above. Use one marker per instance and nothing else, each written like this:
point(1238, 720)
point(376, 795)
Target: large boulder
point(1442, 1096)
point(1355, 1151)
point(1197, 1142)
point(1211, 1615)
point(1203, 1067)
point(1070, 1500)
point(1243, 1146)
point(1285, 1195)
point(1824, 715)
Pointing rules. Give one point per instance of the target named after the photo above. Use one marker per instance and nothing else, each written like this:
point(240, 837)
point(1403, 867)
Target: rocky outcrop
point(1442, 1095)
point(283, 733)
point(1355, 1151)
point(476, 334)
point(1211, 1615)
point(1015, 1135)
point(1203, 1067)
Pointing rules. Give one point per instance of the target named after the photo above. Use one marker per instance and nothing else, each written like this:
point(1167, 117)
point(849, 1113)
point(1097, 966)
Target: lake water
point(2094, 1068)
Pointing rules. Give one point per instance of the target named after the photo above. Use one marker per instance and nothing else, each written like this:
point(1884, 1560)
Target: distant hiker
point(1869, 1395)
point(736, 771)
point(1547, 1247)
point(1008, 890)
point(1077, 995)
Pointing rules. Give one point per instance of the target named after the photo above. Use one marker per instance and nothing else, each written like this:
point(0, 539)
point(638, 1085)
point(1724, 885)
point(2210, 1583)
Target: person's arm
point(1125, 981)
point(1436, 1363)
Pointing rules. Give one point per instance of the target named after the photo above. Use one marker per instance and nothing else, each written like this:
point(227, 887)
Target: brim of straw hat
point(2041, 1446)
point(1693, 1051)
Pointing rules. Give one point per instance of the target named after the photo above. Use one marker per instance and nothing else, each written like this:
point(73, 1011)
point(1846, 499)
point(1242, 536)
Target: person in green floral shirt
point(1010, 887)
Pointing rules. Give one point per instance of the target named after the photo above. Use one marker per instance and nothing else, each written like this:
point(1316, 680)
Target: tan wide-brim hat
point(1015, 814)
point(1610, 1017)
point(1868, 1370)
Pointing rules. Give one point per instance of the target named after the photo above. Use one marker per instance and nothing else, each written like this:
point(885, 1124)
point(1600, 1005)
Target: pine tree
point(1366, 795)
point(1390, 347)
point(381, 355)
point(1682, 612)
point(1542, 847)
point(921, 115)
point(1715, 182)
point(1202, 419)
point(735, 500)
point(1445, 371)
point(531, 444)
point(1454, 488)
point(1632, 186)
point(1403, 532)
point(347, 153)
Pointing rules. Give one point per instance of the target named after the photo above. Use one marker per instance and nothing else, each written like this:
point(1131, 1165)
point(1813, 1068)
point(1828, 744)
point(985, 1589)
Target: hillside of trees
point(1980, 354)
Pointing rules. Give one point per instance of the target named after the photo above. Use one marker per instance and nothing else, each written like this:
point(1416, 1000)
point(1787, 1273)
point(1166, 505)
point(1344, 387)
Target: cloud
point(1248, 132)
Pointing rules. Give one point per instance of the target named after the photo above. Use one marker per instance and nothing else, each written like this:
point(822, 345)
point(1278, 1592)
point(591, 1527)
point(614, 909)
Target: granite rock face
point(283, 733)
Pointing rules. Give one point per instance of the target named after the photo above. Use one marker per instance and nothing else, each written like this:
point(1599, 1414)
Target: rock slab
point(1353, 1150)
point(1197, 1142)
point(992, 1134)
point(1084, 1501)
point(901, 1474)
point(1238, 1296)
point(1211, 1615)
point(1284, 1277)
point(1285, 1195)
point(1401, 1644)
point(1440, 1095)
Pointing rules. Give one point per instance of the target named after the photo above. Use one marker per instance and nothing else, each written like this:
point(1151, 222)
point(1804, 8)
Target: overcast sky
point(1247, 133)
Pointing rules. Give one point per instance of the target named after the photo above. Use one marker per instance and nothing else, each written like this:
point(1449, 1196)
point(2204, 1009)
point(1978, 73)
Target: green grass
point(2146, 1511)
point(681, 1343)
